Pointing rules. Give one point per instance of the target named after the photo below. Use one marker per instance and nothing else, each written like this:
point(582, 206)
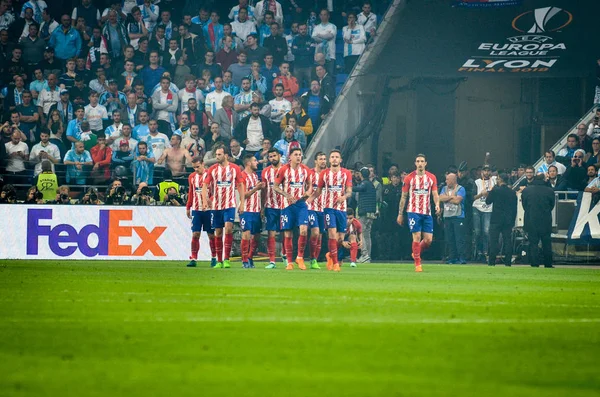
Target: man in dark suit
point(538, 201)
point(504, 212)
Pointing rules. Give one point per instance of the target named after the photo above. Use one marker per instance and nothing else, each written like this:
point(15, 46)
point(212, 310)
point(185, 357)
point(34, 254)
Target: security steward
point(538, 202)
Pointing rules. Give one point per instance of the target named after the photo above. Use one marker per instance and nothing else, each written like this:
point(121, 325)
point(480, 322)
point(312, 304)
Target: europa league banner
point(477, 38)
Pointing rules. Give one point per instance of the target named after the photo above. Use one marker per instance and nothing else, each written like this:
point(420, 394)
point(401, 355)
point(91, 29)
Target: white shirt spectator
point(159, 143)
point(594, 129)
point(358, 37)
point(259, 12)
point(367, 21)
point(255, 134)
point(53, 25)
point(74, 14)
point(544, 168)
point(15, 163)
point(185, 96)
point(324, 35)
point(214, 101)
point(95, 115)
point(36, 150)
point(242, 30)
point(279, 109)
point(233, 14)
point(6, 20)
point(128, 5)
point(488, 184)
point(594, 183)
point(47, 98)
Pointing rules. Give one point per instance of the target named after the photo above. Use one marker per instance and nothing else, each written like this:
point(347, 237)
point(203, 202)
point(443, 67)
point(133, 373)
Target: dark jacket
point(277, 46)
point(328, 86)
point(240, 132)
point(504, 200)
point(575, 178)
point(303, 52)
point(367, 197)
point(325, 106)
point(538, 201)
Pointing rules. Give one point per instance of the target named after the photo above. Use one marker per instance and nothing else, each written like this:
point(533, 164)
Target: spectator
point(184, 126)
point(237, 151)
point(193, 142)
point(593, 157)
point(584, 141)
point(226, 118)
point(48, 25)
point(227, 56)
point(233, 13)
point(125, 79)
point(228, 86)
point(326, 82)
point(236, 42)
point(213, 140)
point(29, 117)
point(593, 129)
point(37, 85)
point(125, 135)
point(74, 127)
point(44, 151)
point(482, 212)
point(242, 27)
point(289, 82)
point(316, 103)
point(324, 35)
point(142, 129)
point(19, 29)
point(64, 106)
point(210, 65)
point(65, 40)
point(158, 41)
point(150, 13)
point(99, 84)
point(354, 41)
point(253, 50)
point(553, 179)
point(157, 142)
point(262, 156)
point(165, 21)
point(79, 94)
point(95, 113)
point(165, 103)
point(549, 157)
point(276, 44)
point(17, 152)
point(46, 181)
point(75, 160)
point(289, 39)
point(88, 138)
point(176, 157)
point(113, 100)
point(538, 201)
point(529, 176)
point(143, 164)
point(279, 106)
point(575, 176)
point(213, 32)
point(258, 82)
point(268, 5)
point(564, 155)
point(214, 100)
point(299, 135)
point(152, 73)
point(123, 156)
point(33, 47)
point(285, 144)
point(101, 156)
point(504, 212)
point(135, 28)
point(303, 120)
point(264, 29)
point(367, 20)
point(90, 14)
point(243, 100)
point(202, 19)
point(240, 69)
point(252, 129)
point(57, 129)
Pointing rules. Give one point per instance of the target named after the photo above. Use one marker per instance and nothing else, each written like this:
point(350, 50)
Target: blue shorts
point(336, 219)
point(294, 215)
point(273, 218)
point(316, 219)
point(201, 221)
point(220, 217)
point(250, 221)
point(420, 223)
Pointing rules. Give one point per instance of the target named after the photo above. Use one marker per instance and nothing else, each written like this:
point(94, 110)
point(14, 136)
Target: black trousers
point(535, 236)
point(495, 231)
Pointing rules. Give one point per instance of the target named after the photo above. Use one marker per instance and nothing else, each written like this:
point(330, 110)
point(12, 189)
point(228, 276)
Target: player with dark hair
point(316, 217)
point(250, 218)
point(272, 204)
point(418, 187)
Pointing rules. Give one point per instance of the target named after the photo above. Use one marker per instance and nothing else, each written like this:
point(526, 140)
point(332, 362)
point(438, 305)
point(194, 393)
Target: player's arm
point(436, 201)
point(255, 189)
point(308, 188)
point(205, 196)
point(241, 188)
point(400, 219)
point(188, 205)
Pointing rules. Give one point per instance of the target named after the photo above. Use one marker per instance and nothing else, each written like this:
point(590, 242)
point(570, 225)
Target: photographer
point(34, 196)
point(63, 196)
point(116, 194)
point(143, 195)
point(8, 195)
point(91, 197)
point(173, 198)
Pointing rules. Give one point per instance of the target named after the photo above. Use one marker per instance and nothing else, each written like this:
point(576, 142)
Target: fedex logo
point(64, 239)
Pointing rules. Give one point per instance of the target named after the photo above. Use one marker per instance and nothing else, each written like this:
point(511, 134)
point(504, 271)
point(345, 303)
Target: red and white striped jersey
point(252, 203)
point(354, 228)
point(293, 181)
point(273, 199)
point(419, 188)
point(334, 184)
point(194, 201)
point(317, 203)
point(223, 181)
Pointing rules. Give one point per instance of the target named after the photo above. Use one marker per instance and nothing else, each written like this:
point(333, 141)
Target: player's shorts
point(220, 217)
point(294, 215)
point(316, 219)
point(336, 219)
point(273, 217)
point(250, 221)
point(420, 223)
point(201, 222)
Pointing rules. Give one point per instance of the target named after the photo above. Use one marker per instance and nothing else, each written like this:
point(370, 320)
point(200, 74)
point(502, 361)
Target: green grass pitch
point(102, 328)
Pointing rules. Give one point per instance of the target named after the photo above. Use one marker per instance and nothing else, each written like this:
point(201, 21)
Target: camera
point(145, 191)
point(39, 195)
point(119, 191)
point(64, 197)
point(172, 196)
point(93, 197)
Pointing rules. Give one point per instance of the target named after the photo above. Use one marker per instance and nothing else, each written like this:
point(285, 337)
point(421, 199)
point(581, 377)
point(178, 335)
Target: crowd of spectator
point(100, 90)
